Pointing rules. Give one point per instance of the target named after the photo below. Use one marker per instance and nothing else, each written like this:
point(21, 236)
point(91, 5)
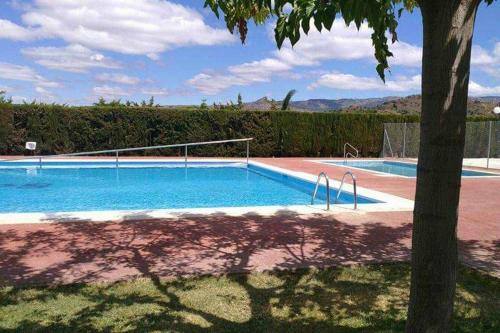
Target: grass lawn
point(352, 299)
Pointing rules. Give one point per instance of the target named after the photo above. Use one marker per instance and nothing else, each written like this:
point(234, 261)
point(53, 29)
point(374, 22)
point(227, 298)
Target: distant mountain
point(262, 104)
point(339, 104)
point(487, 99)
point(319, 105)
point(411, 105)
point(390, 104)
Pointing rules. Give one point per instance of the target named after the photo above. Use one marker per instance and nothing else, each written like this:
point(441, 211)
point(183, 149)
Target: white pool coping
point(494, 174)
point(389, 202)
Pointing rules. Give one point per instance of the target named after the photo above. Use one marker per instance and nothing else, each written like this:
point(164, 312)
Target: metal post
point(248, 151)
point(489, 146)
point(404, 141)
point(388, 142)
point(40, 162)
point(186, 156)
point(116, 158)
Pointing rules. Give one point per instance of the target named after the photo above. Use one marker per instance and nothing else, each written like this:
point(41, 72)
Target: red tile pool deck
point(53, 253)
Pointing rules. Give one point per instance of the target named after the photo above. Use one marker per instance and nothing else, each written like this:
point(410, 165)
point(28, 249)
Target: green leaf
point(305, 25)
point(280, 31)
point(317, 23)
point(294, 34)
point(310, 9)
point(328, 17)
point(381, 71)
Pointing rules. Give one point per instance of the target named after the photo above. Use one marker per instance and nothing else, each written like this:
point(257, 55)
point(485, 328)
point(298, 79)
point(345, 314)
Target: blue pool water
point(76, 186)
point(397, 168)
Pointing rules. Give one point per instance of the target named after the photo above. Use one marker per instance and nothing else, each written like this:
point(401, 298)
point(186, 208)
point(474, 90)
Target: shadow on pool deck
point(192, 245)
point(69, 252)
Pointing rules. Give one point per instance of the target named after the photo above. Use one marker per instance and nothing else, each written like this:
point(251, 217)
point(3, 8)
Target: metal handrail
point(347, 154)
point(117, 151)
point(327, 189)
point(388, 142)
point(354, 185)
point(350, 155)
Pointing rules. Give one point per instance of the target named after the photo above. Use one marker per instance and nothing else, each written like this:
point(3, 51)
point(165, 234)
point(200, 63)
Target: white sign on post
point(31, 145)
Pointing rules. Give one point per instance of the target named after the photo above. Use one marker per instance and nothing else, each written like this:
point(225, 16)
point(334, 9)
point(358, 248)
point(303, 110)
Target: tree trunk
point(448, 28)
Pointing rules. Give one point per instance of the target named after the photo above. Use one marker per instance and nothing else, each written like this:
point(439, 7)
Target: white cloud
point(19, 99)
point(110, 92)
point(118, 78)
point(213, 83)
point(259, 71)
point(23, 73)
point(72, 58)
point(340, 43)
point(351, 82)
point(6, 89)
point(156, 91)
point(488, 62)
point(405, 54)
point(45, 95)
point(19, 5)
point(13, 31)
point(492, 71)
point(344, 43)
point(398, 84)
point(145, 27)
point(475, 89)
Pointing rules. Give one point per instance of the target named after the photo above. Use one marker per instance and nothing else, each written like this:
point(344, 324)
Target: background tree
point(203, 105)
point(286, 102)
point(240, 102)
point(151, 102)
point(112, 103)
point(447, 40)
point(3, 99)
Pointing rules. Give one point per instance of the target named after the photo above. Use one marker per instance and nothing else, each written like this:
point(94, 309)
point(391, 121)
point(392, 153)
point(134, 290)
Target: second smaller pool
point(397, 168)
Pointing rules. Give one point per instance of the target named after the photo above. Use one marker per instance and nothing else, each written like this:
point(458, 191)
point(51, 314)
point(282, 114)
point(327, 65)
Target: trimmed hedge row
point(59, 129)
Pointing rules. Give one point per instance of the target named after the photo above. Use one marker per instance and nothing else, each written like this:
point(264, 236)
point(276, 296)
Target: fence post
point(248, 151)
point(404, 141)
point(185, 156)
point(116, 159)
point(489, 146)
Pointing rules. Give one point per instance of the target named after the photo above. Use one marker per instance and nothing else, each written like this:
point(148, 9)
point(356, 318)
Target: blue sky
point(76, 51)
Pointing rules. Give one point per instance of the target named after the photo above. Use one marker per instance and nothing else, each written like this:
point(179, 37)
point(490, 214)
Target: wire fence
point(482, 140)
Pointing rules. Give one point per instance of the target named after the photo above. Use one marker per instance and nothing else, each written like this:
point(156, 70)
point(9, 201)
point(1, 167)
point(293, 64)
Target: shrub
point(61, 129)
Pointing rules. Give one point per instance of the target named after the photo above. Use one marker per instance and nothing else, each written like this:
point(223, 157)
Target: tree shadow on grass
point(296, 299)
point(481, 254)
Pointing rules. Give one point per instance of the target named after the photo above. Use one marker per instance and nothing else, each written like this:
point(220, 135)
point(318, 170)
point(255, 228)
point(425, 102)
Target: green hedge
point(59, 129)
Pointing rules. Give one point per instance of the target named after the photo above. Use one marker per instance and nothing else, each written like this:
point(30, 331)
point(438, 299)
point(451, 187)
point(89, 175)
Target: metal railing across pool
point(40, 158)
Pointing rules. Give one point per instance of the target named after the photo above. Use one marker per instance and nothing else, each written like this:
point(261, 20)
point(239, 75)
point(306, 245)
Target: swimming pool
point(100, 186)
point(397, 168)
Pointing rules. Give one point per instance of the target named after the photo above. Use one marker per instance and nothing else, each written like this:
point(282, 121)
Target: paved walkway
point(83, 252)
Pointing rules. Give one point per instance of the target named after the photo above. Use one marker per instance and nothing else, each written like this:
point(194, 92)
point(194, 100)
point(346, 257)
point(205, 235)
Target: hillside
point(390, 104)
point(320, 105)
point(411, 105)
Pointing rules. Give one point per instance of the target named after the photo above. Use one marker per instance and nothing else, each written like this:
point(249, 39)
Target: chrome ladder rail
point(322, 174)
point(354, 185)
point(349, 154)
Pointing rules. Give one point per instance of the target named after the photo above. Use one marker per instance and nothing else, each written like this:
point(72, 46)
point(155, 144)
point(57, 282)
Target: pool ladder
point(327, 180)
point(353, 153)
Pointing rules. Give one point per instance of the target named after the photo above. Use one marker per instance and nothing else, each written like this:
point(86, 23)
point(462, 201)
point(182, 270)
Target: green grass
point(353, 299)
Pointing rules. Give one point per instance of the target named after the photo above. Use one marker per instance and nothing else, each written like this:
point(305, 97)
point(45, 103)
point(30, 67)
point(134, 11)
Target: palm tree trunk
point(448, 29)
